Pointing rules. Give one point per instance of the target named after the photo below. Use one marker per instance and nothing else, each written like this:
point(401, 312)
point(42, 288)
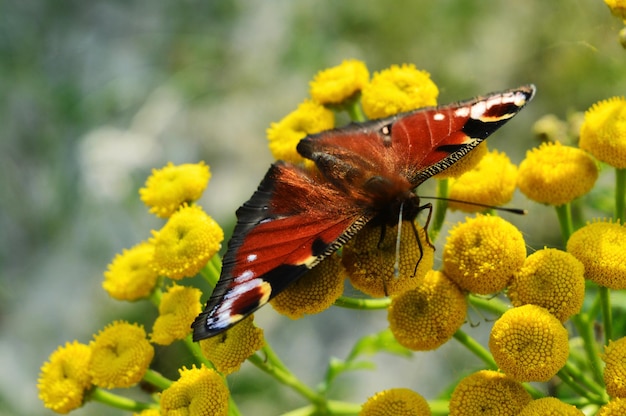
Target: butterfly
point(365, 173)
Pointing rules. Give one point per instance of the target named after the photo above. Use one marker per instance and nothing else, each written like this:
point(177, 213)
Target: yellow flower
point(491, 182)
point(398, 89)
point(396, 402)
point(370, 262)
point(529, 344)
point(309, 118)
point(466, 163)
point(337, 84)
point(131, 276)
point(168, 188)
point(178, 308)
point(555, 174)
point(64, 378)
point(314, 292)
point(186, 242)
point(488, 393)
point(550, 128)
point(615, 369)
point(120, 355)
point(198, 391)
point(600, 248)
point(228, 350)
point(148, 412)
point(615, 407)
point(618, 8)
point(426, 317)
point(552, 279)
point(549, 406)
point(482, 254)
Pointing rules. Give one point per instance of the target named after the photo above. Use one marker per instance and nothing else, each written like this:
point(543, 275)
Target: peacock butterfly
point(365, 172)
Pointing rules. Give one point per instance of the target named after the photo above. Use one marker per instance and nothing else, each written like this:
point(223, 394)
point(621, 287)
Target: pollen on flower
point(178, 308)
point(552, 279)
point(228, 350)
point(481, 254)
point(618, 8)
point(337, 84)
point(186, 242)
point(131, 276)
point(426, 317)
point(170, 187)
point(64, 378)
point(198, 391)
point(314, 292)
point(492, 182)
point(466, 163)
point(309, 118)
point(615, 407)
point(555, 174)
point(603, 134)
point(615, 370)
point(600, 247)
point(370, 261)
point(488, 392)
point(529, 344)
point(120, 355)
point(398, 89)
point(396, 402)
point(549, 406)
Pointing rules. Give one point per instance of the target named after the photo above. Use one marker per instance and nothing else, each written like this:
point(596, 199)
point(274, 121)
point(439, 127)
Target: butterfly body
point(365, 172)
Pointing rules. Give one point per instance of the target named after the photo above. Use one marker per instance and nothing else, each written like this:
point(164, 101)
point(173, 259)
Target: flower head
point(309, 118)
point(370, 262)
point(148, 412)
point(120, 355)
point(178, 308)
point(600, 248)
point(529, 344)
point(466, 163)
point(426, 317)
point(615, 407)
point(228, 350)
point(337, 84)
point(491, 182)
point(398, 89)
point(131, 276)
point(314, 292)
point(603, 134)
point(615, 369)
point(396, 402)
point(198, 391)
point(481, 254)
point(618, 8)
point(552, 279)
point(65, 377)
point(168, 188)
point(490, 393)
point(186, 242)
point(549, 406)
point(555, 174)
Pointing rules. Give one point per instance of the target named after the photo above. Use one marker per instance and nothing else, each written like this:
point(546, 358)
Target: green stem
point(156, 379)
point(584, 326)
point(335, 408)
point(369, 304)
point(155, 296)
point(574, 379)
point(620, 194)
point(564, 213)
point(196, 352)
point(493, 305)
point(607, 315)
point(211, 271)
point(354, 109)
point(114, 400)
point(478, 350)
point(441, 207)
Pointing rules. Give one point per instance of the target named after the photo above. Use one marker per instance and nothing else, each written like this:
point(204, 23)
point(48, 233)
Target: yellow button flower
point(550, 406)
point(398, 89)
point(465, 164)
point(555, 174)
point(168, 188)
point(198, 391)
point(616, 407)
point(337, 84)
point(600, 248)
point(186, 242)
point(615, 369)
point(131, 275)
point(552, 279)
point(488, 393)
point(618, 8)
point(603, 134)
point(396, 402)
point(426, 317)
point(309, 118)
point(481, 254)
point(491, 182)
point(228, 350)
point(178, 308)
point(314, 292)
point(64, 378)
point(120, 355)
point(370, 265)
point(529, 344)
point(148, 412)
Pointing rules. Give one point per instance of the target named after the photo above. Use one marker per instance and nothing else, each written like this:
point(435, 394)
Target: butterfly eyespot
point(386, 130)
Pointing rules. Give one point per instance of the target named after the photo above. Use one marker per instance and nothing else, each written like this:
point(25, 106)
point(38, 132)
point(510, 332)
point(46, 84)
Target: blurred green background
point(95, 94)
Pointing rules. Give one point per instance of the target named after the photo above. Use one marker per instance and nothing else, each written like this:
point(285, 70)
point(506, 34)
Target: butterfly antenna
point(517, 211)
